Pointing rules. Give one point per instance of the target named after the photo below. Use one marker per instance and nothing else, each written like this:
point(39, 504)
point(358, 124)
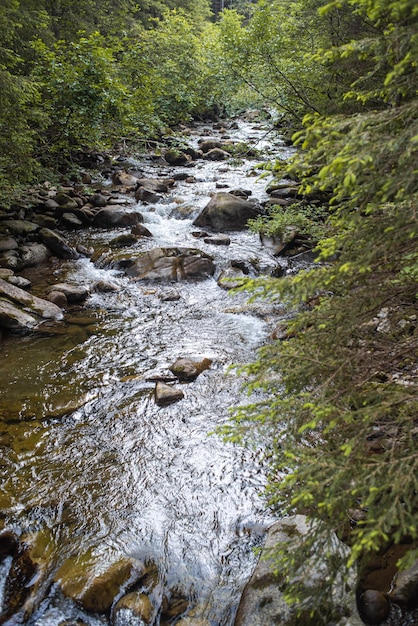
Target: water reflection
point(90, 456)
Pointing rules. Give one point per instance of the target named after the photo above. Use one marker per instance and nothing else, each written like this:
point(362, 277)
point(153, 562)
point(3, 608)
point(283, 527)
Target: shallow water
point(87, 454)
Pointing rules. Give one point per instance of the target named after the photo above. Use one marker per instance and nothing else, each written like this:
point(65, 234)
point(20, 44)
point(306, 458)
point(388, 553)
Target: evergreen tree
point(339, 410)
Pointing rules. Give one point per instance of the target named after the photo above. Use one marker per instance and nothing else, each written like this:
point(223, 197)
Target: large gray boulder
point(21, 311)
point(112, 216)
point(172, 264)
point(227, 212)
point(57, 244)
point(262, 602)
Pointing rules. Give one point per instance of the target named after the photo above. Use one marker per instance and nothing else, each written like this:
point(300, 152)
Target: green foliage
point(338, 403)
point(84, 101)
point(306, 219)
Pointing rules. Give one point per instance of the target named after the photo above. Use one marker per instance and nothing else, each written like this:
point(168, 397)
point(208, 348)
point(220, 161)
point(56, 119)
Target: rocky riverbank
point(109, 219)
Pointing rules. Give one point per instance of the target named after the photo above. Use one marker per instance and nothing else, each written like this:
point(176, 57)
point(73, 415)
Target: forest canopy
point(339, 76)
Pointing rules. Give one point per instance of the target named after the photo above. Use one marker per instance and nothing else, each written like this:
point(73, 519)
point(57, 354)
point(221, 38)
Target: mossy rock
point(94, 584)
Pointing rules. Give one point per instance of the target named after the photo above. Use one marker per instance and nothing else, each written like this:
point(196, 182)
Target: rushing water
point(88, 456)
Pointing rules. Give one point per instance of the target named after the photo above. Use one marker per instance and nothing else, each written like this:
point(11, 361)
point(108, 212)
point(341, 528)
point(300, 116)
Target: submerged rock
point(27, 580)
point(133, 607)
point(95, 585)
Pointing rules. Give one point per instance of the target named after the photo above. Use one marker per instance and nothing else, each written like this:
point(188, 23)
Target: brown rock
point(186, 369)
point(166, 394)
point(94, 585)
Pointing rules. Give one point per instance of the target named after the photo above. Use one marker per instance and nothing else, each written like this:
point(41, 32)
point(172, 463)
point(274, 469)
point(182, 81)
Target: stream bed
point(92, 464)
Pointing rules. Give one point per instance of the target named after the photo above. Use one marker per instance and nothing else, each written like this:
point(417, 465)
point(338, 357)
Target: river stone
point(206, 145)
point(186, 369)
point(227, 212)
point(147, 196)
point(8, 243)
point(34, 254)
point(174, 157)
point(20, 227)
point(121, 241)
point(125, 179)
point(8, 543)
point(132, 607)
point(115, 216)
point(19, 281)
point(405, 588)
point(218, 240)
point(5, 272)
point(14, 318)
point(158, 185)
point(105, 286)
point(32, 304)
point(141, 231)
point(98, 200)
point(27, 581)
point(10, 259)
point(58, 298)
point(172, 264)
point(217, 154)
point(374, 606)
point(262, 602)
point(57, 244)
point(231, 278)
point(73, 293)
point(70, 220)
point(93, 584)
point(166, 394)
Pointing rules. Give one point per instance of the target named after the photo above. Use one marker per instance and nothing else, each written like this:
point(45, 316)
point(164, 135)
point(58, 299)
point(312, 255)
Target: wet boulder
point(141, 230)
point(217, 154)
point(98, 200)
point(157, 185)
point(94, 584)
point(112, 216)
point(8, 243)
point(20, 310)
point(218, 240)
point(186, 369)
point(21, 228)
point(135, 607)
point(262, 602)
point(34, 254)
point(176, 157)
point(227, 212)
point(147, 196)
point(232, 277)
point(73, 293)
point(57, 244)
point(171, 264)
point(206, 145)
point(27, 580)
point(125, 179)
point(405, 588)
point(166, 394)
